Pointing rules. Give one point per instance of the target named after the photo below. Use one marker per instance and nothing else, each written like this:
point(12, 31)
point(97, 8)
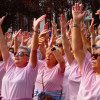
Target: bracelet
point(35, 31)
point(53, 48)
point(63, 36)
point(75, 25)
point(15, 39)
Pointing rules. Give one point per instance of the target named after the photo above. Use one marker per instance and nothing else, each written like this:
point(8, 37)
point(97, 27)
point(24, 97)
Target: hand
point(62, 21)
point(37, 22)
point(77, 13)
point(16, 33)
point(1, 20)
point(8, 36)
point(42, 41)
point(98, 12)
point(25, 38)
point(54, 25)
point(91, 28)
point(44, 33)
point(46, 26)
point(70, 23)
point(51, 41)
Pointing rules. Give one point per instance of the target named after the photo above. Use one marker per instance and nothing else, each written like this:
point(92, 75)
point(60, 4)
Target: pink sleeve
point(86, 67)
point(32, 72)
point(10, 63)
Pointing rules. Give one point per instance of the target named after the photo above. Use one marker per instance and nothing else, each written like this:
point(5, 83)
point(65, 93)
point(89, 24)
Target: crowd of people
point(50, 66)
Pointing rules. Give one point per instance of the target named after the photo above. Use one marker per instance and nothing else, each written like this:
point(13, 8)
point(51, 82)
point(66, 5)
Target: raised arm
point(77, 44)
point(15, 35)
point(91, 29)
point(65, 41)
point(3, 45)
point(34, 43)
point(42, 40)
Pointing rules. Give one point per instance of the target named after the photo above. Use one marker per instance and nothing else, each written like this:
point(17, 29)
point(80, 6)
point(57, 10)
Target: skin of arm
point(91, 29)
point(65, 42)
point(77, 44)
point(16, 41)
point(60, 59)
point(3, 45)
point(34, 43)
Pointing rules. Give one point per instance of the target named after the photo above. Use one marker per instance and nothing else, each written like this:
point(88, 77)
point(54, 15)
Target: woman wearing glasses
point(50, 74)
point(90, 81)
point(21, 72)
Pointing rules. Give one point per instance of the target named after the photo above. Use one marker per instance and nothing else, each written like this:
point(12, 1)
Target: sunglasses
point(95, 46)
point(58, 44)
point(95, 56)
point(21, 54)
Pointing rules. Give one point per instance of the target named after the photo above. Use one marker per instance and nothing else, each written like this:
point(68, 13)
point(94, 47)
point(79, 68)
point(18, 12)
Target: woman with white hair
point(90, 70)
point(21, 72)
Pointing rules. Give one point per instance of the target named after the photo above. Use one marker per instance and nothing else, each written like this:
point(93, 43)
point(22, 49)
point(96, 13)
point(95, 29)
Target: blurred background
point(20, 13)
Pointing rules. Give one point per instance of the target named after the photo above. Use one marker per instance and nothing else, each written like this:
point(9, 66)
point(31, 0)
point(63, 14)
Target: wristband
point(15, 39)
point(75, 25)
point(63, 36)
point(35, 31)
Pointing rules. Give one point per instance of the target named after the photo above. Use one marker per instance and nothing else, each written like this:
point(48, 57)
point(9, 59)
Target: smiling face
point(96, 59)
point(21, 58)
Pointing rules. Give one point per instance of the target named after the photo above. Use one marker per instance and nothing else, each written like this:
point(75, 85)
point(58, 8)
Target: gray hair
point(28, 50)
point(97, 38)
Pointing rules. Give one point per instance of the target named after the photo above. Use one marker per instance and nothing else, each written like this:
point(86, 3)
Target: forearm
point(66, 46)
point(92, 40)
point(15, 45)
point(34, 47)
point(60, 60)
point(76, 38)
point(85, 41)
point(3, 47)
point(12, 43)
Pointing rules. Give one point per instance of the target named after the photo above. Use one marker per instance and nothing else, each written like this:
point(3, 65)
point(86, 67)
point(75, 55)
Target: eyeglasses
point(95, 56)
point(21, 54)
point(58, 44)
point(95, 46)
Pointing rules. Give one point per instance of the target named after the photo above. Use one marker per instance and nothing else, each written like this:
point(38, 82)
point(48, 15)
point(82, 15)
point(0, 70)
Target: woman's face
point(96, 59)
point(21, 58)
point(50, 58)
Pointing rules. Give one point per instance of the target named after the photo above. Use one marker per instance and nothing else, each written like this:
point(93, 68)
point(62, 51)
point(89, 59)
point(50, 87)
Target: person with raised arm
point(90, 70)
point(21, 72)
point(50, 75)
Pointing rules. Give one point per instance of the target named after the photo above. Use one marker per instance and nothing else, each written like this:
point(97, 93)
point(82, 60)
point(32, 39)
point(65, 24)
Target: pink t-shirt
point(2, 72)
point(18, 82)
point(65, 82)
point(74, 80)
point(90, 82)
point(52, 78)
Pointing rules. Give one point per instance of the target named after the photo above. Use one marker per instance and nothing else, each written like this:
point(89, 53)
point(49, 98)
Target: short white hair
point(97, 38)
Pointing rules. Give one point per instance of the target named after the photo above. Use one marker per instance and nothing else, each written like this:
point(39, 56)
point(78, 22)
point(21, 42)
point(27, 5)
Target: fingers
point(44, 32)
point(98, 12)
point(2, 19)
point(92, 21)
point(46, 25)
